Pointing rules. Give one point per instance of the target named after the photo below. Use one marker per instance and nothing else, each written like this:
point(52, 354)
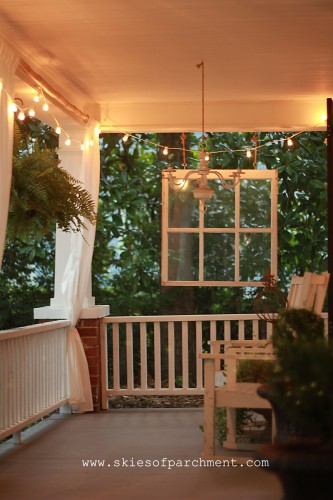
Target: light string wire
point(218, 151)
point(23, 111)
point(156, 145)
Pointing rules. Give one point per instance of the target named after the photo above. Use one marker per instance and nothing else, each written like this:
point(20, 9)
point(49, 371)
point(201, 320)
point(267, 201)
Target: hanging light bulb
point(290, 142)
point(45, 106)
point(58, 130)
point(36, 98)
point(166, 151)
point(31, 112)
point(125, 138)
point(68, 141)
point(82, 147)
point(91, 142)
point(248, 154)
point(21, 116)
point(12, 107)
point(207, 156)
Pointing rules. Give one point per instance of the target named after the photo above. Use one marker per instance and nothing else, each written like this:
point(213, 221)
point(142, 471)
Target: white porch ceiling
point(132, 64)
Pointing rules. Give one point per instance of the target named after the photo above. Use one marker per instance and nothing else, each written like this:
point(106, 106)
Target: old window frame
point(270, 175)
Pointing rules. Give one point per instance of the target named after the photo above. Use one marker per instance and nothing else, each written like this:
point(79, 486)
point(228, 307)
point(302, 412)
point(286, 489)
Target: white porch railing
point(132, 350)
point(33, 374)
point(133, 347)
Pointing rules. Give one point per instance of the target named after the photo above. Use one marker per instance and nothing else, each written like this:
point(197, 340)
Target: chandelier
point(201, 175)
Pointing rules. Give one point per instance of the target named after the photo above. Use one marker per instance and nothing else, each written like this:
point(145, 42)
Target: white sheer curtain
point(76, 278)
point(8, 63)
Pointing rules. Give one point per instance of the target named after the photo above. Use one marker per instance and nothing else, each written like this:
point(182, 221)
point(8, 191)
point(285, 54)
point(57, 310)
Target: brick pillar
point(89, 330)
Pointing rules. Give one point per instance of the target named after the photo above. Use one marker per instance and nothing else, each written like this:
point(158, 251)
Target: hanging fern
point(43, 193)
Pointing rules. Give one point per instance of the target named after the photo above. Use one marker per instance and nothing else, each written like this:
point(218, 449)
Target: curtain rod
point(26, 73)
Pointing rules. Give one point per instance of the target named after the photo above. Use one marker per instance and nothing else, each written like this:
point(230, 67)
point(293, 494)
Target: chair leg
point(231, 428)
point(209, 408)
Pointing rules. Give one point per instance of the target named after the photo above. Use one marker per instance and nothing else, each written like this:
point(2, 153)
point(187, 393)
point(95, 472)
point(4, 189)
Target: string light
point(82, 147)
point(165, 149)
point(12, 107)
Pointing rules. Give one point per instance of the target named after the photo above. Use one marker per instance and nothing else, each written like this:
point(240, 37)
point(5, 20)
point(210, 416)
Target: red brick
point(95, 370)
point(90, 342)
point(93, 332)
point(91, 322)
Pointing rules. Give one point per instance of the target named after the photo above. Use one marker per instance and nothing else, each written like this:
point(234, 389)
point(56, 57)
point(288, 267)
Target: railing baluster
point(255, 329)
point(157, 355)
point(269, 330)
point(143, 355)
point(241, 330)
point(171, 354)
point(129, 355)
point(198, 350)
point(185, 384)
point(115, 353)
point(212, 327)
point(227, 332)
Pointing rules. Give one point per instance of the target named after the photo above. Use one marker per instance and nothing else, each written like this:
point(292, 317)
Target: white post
point(71, 160)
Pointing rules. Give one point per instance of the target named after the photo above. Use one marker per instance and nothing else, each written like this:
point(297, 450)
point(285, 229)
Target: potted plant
point(300, 390)
point(43, 193)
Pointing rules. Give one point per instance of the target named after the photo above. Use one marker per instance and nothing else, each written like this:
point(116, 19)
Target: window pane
point(219, 257)
point(255, 204)
point(255, 255)
point(221, 208)
point(183, 257)
point(183, 208)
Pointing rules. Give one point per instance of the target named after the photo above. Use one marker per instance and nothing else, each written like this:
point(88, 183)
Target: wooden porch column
point(330, 213)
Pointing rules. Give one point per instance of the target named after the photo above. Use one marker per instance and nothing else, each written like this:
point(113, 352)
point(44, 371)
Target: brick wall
point(89, 330)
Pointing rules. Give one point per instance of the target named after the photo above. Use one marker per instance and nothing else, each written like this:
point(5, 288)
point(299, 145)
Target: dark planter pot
point(305, 471)
point(286, 432)
point(303, 464)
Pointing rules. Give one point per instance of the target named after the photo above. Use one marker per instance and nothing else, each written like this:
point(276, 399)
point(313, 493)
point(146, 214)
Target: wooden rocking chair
point(305, 292)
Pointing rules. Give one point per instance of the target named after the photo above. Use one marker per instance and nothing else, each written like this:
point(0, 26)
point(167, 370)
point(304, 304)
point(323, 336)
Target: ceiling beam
point(28, 75)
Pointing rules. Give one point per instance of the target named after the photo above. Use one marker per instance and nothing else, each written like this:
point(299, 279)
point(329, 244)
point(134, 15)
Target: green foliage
point(302, 382)
point(254, 370)
point(126, 265)
point(126, 262)
point(43, 193)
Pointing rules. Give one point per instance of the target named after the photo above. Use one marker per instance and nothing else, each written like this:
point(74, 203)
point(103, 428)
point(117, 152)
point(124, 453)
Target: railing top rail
point(178, 317)
point(183, 317)
point(31, 329)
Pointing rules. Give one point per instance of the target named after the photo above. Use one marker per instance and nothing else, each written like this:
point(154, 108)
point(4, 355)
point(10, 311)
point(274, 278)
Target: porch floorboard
point(48, 465)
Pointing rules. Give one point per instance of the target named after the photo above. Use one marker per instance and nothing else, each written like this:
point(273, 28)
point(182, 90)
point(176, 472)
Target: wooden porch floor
point(48, 465)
